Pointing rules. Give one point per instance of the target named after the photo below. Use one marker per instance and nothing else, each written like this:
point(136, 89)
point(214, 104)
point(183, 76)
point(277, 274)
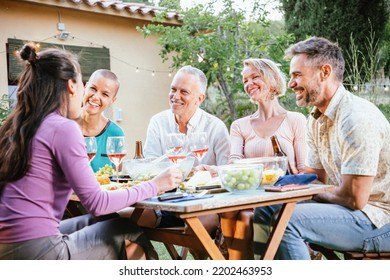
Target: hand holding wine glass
point(168, 180)
point(91, 147)
point(198, 143)
point(116, 151)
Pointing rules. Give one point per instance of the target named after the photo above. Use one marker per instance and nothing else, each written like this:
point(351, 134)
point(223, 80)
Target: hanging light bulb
point(153, 73)
point(386, 88)
point(136, 70)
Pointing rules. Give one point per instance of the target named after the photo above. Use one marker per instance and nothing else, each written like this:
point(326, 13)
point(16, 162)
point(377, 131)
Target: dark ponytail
point(42, 89)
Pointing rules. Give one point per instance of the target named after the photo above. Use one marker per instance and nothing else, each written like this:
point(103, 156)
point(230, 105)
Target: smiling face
point(100, 92)
point(305, 81)
point(254, 84)
point(185, 95)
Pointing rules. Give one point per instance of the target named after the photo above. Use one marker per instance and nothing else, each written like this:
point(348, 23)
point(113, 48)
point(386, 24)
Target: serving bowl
point(144, 169)
point(238, 178)
point(273, 168)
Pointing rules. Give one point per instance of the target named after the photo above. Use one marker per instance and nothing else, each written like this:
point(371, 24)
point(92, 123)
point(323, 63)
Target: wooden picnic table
point(198, 237)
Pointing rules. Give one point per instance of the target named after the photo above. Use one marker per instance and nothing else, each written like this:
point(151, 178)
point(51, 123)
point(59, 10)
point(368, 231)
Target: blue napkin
point(301, 179)
point(186, 198)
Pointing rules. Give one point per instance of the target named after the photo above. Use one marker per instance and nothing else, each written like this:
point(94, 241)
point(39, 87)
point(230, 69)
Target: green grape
point(241, 179)
point(105, 170)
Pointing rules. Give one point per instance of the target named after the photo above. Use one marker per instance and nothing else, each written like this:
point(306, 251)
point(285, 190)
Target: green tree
point(385, 50)
point(218, 44)
point(146, 2)
point(4, 108)
point(338, 20)
point(169, 4)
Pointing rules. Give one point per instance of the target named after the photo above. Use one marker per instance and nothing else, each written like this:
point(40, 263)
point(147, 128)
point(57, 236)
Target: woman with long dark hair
point(44, 159)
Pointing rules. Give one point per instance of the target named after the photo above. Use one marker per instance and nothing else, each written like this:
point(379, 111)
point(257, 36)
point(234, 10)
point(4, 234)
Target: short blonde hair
point(273, 76)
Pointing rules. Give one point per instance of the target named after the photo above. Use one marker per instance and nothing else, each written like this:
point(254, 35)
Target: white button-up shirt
point(164, 123)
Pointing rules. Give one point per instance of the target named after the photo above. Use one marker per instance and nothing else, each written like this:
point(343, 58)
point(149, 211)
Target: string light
point(153, 72)
point(137, 68)
point(369, 87)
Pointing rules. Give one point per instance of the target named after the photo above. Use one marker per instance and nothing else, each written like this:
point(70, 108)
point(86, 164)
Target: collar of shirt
point(331, 110)
point(192, 123)
point(195, 120)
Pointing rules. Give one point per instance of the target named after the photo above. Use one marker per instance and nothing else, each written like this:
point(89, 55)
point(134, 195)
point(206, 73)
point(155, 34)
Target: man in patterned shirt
point(349, 148)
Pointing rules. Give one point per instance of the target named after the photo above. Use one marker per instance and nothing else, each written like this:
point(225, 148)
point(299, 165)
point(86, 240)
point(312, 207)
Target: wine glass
point(198, 144)
point(116, 151)
point(176, 149)
point(91, 147)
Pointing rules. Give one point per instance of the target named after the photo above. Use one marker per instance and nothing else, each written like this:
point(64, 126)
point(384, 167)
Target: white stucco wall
point(141, 95)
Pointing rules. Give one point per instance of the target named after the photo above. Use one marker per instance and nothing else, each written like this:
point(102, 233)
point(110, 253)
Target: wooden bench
point(349, 255)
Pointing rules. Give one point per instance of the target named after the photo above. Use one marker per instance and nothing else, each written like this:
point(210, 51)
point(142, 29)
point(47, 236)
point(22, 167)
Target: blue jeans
point(329, 225)
point(83, 237)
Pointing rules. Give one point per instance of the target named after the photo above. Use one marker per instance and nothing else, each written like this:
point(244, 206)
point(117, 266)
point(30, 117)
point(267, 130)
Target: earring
point(272, 96)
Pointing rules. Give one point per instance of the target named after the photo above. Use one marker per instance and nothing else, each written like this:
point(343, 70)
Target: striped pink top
point(245, 143)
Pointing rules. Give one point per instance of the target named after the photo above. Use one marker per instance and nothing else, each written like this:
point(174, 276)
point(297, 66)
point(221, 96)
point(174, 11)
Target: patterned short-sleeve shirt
point(351, 138)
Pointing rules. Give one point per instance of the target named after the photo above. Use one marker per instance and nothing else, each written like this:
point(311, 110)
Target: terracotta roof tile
point(129, 7)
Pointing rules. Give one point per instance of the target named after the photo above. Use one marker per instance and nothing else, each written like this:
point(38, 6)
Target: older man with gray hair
point(188, 90)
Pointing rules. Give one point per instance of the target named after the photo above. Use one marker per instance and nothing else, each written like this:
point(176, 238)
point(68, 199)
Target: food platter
point(115, 186)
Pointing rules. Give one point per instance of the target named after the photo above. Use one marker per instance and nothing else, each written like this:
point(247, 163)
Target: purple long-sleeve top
point(33, 206)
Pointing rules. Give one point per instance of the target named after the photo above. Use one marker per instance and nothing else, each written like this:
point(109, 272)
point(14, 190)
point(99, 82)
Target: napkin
point(301, 179)
point(199, 178)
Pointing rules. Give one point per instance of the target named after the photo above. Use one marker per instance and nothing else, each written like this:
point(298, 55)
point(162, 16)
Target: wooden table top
point(223, 200)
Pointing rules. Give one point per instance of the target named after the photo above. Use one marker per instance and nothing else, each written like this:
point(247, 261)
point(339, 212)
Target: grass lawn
point(163, 253)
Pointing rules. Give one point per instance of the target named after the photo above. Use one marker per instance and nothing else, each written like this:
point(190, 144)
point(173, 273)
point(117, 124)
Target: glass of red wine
point(198, 144)
point(116, 149)
point(91, 147)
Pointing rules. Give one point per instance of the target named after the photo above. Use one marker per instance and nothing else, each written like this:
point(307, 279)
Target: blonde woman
point(250, 137)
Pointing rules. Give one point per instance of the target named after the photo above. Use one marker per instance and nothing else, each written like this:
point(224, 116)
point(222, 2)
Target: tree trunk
point(228, 94)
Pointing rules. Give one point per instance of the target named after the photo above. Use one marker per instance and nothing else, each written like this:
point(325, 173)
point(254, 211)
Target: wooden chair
point(349, 255)
point(180, 237)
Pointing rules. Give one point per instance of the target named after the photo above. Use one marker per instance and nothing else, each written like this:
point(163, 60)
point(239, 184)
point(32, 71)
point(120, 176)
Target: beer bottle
point(278, 152)
point(138, 150)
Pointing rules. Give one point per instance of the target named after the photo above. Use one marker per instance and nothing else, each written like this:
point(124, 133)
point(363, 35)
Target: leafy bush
point(4, 108)
point(385, 108)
